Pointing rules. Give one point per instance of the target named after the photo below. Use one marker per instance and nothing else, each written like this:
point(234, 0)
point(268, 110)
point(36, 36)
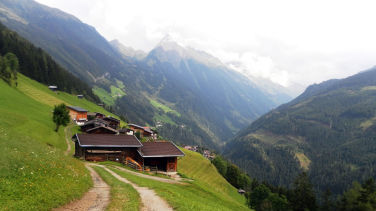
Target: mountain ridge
point(328, 130)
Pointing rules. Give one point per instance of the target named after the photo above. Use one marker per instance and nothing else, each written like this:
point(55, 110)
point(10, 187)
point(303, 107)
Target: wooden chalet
point(92, 124)
point(53, 88)
point(102, 147)
point(127, 149)
point(77, 114)
point(112, 122)
point(161, 154)
point(95, 115)
point(144, 131)
point(101, 129)
point(127, 131)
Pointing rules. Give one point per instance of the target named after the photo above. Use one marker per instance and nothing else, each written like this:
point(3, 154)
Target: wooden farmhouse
point(144, 131)
point(77, 114)
point(127, 149)
point(95, 115)
point(112, 122)
point(92, 124)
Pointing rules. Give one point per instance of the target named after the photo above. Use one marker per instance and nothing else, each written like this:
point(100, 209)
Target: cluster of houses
point(103, 139)
point(206, 153)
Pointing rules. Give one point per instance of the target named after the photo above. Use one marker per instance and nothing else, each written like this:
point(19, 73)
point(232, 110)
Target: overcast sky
point(286, 41)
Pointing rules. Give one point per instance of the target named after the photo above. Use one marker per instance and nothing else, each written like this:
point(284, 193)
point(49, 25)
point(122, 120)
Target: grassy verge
point(110, 163)
point(193, 165)
point(123, 196)
point(190, 196)
point(34, 173)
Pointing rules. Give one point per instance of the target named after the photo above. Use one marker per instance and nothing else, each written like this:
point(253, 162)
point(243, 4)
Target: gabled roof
point(137, 126)
point(160, 149)
point(104, 127)
point(111, 119)
point(107, 140)
point(76, 108)
point(146, 129)
point(95, 122)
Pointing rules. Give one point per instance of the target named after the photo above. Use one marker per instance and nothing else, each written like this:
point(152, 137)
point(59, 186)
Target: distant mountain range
point(329, 131)
point(189, 94)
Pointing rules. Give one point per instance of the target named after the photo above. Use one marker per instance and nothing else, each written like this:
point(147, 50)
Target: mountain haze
point(189, 94)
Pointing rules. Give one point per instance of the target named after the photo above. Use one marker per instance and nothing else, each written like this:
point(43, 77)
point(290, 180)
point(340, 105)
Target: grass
point(116, 92)
point(304, 161)
point(34, 173)
point(109, 98)
point(208, 190)
point(123, 196)
point(111, 163)
point(164, 108)
point(104, 95)
point(42, 94)
point(191, 196)
point(193, 165)
point(164, 118)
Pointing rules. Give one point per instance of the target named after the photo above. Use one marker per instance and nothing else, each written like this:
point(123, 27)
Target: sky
point(288, 42)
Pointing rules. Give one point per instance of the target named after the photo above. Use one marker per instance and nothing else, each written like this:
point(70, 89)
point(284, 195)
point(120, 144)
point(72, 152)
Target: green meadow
point(36, 175)
point(34, 172)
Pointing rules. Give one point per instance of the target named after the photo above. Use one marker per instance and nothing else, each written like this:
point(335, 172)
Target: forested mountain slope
point(38, 65)
point(195, 102)
point(329, 131)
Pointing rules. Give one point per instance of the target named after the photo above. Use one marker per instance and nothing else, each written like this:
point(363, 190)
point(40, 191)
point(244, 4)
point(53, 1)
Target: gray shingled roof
point(107, 140)
point(76, 108)
point(160, 149)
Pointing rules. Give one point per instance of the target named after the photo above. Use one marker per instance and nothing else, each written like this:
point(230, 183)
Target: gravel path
point(150, 200)
point(96, 199)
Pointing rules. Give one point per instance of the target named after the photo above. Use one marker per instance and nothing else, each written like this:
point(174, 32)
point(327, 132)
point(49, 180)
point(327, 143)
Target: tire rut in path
point(67, 139)
point(150, 200)
point(96, 199)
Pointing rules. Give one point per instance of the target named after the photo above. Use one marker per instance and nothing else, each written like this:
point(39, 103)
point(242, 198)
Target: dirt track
point(96, 199)
point(67, 140)
point(150, 200)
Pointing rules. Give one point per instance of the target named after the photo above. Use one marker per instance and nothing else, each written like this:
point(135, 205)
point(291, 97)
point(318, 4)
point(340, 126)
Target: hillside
point(328, 131)
point(38, 65)
point(36, 175)
point(212, 103)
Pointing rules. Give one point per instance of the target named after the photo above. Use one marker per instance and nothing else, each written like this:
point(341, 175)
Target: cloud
point(286, 41)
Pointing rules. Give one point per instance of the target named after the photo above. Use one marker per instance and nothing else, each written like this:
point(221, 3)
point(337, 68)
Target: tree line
point(38, 65)
point(263, 196)
point(8, 68)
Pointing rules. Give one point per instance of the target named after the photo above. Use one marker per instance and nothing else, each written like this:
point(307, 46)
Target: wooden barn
point(127, 149)
point(77, 114)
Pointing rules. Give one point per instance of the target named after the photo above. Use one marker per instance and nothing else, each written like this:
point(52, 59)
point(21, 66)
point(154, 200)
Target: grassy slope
point(208, 191)
point(195, 166)
point(34, 173)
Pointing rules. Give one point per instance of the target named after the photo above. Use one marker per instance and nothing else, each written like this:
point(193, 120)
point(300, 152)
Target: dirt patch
point(96, 199)
point(150, 200)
